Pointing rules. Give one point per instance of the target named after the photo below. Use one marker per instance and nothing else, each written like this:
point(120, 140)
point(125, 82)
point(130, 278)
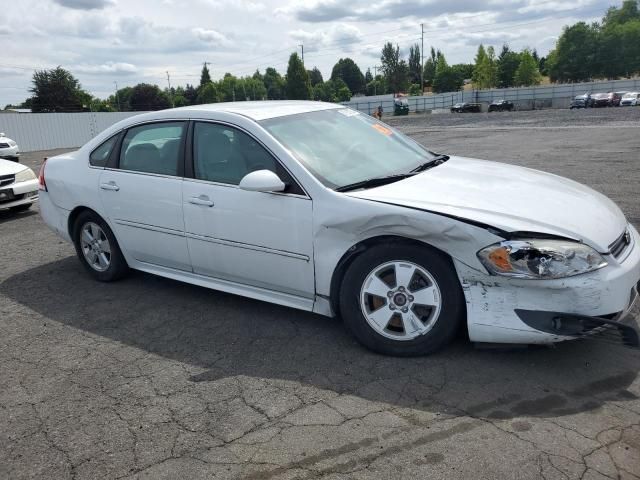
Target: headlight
point(25, 175)
point(540, 259)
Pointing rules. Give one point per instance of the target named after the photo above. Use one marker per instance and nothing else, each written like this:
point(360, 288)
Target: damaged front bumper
point(621, 329)
point(602, 304)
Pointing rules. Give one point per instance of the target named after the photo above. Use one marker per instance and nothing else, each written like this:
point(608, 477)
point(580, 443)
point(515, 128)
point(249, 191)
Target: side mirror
point(262, 181)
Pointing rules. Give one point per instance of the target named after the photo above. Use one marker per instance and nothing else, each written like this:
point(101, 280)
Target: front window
point(341, 146)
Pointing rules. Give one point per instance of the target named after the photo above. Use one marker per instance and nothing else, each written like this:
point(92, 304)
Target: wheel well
point(351, 254)
point(73, 216)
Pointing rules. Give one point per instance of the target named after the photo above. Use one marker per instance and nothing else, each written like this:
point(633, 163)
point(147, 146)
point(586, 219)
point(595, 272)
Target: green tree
point(253, 88)
point(485, 72)
point(324, 92)
point(415, 65)
point(376, 86)
point(56, 90)
point(573, 59)
point(367, 76)
point(274, 83)
point(350, 73)
point(395, 70)
point(508, 62)
point(120, 100)
point(446, 78)
point(315, 76)
point(298, 86)
point(205, 76)
point(527, 72)
point(414, 89)
point(343, 94)
point(147, 97)
point(207, 93)
point(430, 67)
point(190, 94)
point(228, 89)
point(618, 16)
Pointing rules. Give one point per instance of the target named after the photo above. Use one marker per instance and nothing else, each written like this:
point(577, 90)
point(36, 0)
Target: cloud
point(5, 30)
point(244, 5)
point(85, 4)
point(339, 35)
point(108, 67)
point(380, 10)
point(210, 36)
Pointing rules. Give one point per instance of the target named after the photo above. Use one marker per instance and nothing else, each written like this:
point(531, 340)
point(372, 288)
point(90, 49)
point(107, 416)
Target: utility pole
point(173, 105)
point(375, 74)
point(422, 62)
point(302, 47)
point(117, 99)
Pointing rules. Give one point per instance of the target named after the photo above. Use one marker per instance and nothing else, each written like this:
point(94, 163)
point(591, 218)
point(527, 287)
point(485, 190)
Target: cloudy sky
point(132, 41)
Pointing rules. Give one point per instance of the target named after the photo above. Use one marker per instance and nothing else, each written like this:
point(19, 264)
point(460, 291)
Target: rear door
point(142, 194)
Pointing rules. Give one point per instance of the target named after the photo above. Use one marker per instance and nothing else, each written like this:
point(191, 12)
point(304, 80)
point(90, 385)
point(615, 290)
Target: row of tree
point(610, 49)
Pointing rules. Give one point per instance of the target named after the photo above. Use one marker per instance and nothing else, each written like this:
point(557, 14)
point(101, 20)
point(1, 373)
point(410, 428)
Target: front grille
point(7, 180)
point(4, 145)
point(618, 247)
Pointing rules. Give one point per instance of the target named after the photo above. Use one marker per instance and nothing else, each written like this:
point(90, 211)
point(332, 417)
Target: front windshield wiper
point(434, 162)
point(373, 182)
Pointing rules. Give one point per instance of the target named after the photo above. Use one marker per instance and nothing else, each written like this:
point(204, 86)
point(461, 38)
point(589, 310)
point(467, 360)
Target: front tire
point(402, 300)
point(97, 248)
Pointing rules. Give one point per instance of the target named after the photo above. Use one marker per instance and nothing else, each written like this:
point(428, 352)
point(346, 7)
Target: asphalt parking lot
point(150, 378)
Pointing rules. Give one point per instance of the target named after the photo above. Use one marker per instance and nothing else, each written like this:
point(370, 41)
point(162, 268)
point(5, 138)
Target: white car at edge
point(9, 149)
point(18, 186)
point(318, 207)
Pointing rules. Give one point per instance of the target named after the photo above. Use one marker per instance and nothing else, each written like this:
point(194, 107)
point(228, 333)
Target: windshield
point(342, 146)
point(630, 95)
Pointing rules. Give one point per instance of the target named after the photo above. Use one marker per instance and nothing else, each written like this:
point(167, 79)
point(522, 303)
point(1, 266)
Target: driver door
point(261, 239)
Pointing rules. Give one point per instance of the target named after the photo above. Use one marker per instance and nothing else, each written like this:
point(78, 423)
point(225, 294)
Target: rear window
point(100, 155)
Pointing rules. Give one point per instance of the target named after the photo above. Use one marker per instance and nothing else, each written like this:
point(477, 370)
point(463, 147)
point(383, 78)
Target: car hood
point(509, 198)
point(10, 168)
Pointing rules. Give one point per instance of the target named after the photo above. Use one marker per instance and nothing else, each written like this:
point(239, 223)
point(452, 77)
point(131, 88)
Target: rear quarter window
point(100, 155)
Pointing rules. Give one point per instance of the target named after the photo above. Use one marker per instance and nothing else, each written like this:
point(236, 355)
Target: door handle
point(110, 186)
point(201, 200)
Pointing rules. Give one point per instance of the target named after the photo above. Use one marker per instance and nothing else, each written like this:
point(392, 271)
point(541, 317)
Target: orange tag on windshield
point(381, 129)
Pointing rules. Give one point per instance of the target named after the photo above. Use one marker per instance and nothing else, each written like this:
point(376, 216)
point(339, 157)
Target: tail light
point(42, 184)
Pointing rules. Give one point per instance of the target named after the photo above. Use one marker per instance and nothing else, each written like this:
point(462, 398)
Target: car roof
point(263, 110)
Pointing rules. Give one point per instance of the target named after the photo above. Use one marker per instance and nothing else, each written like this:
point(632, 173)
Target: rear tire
point(420, 305)
point(97, 248)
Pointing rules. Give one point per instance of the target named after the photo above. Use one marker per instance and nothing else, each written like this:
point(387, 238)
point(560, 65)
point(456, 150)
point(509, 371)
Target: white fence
point(45, 131)
point(525, 98)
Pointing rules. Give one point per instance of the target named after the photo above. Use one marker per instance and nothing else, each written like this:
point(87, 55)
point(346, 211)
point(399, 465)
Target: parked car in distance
point(9, 149)
point(610, 99)
point(400, 106)
point(18, 186)
point(361, 221)
point(463, 107)
point(501, 106)
point(630, 99)
point(581, 101)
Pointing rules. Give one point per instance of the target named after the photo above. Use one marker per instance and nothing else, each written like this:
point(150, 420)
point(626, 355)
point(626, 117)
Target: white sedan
point(318, 207)
point(18, 186)
point(9, 148)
